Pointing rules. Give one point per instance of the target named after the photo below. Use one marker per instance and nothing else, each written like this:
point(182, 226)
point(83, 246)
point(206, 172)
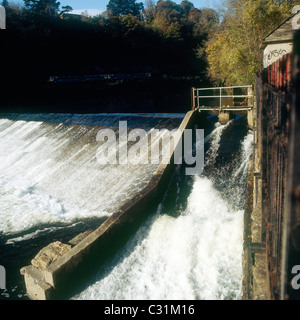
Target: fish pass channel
point(52, 188)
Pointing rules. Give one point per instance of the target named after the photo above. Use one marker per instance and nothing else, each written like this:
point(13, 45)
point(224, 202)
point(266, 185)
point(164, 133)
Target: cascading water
point(49, 170)
point(52, 185)
point(191, 248)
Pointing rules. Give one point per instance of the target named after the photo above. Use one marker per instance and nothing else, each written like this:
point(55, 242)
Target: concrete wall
point(291, 222)
point(272, 212)
point(254, 283)
point(69, 270)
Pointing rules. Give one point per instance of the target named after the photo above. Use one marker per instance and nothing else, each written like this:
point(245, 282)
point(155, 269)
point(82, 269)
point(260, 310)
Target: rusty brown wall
point(271, 247)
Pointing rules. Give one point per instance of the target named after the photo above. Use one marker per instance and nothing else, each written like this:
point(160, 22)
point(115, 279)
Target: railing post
point(250, 101)
point(220, 99)
point(193, 98)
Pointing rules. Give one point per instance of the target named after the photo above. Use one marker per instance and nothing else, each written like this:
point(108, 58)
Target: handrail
point(196, 97)
point(232, 87)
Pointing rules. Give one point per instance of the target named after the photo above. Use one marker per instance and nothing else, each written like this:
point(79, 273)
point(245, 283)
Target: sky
point(98, 6)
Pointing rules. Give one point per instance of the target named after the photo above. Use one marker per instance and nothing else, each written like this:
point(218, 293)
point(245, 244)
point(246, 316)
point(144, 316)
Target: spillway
point(52, 187)
point(192, 247)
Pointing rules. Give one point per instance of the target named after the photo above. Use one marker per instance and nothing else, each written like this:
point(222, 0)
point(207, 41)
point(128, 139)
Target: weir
point(191, 248)
point(265, 234)
point(53, 190)
point(168, 255)
point(50, 281)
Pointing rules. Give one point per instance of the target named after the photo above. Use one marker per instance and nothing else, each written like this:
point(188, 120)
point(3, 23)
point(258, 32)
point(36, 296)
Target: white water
point(49, 171)
point(197, 255)
point(215, 138)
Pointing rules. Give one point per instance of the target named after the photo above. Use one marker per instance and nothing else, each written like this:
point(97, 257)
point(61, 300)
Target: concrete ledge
point(58, 274)
point(36, 287)
point(259, 273)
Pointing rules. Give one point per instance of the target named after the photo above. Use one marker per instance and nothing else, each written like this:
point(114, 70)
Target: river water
point(53, 188)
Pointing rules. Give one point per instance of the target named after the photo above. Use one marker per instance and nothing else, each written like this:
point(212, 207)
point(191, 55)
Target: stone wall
point(269, 206)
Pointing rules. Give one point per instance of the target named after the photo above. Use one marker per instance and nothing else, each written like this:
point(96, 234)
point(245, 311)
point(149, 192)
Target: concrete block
point(36, 287)
point(50, 254)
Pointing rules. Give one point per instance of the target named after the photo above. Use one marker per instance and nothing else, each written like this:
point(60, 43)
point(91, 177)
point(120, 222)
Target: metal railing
point(223, 100)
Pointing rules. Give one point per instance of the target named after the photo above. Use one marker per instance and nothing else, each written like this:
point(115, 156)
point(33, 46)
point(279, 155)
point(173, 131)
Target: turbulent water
point(51, 184)
point(49, 170)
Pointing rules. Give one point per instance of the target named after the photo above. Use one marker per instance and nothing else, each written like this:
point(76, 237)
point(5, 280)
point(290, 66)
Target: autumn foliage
point(235, 52)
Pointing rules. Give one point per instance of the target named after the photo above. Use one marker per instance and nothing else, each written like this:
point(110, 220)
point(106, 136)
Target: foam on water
point(49, 170)
point(50, 182)
point(215, 138)
point(196, 255)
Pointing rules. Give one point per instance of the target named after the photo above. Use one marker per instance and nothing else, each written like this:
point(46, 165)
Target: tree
point(235, 54)
point(186, 7)
point(5, 3)
point(50, 7)
point(124, 7)
point(66, 9)
point(167, 19)
point(149, 11)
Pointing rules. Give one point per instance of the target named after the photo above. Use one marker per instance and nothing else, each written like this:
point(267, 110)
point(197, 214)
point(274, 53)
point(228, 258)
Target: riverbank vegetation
point(163, 38)
point(234, 52)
